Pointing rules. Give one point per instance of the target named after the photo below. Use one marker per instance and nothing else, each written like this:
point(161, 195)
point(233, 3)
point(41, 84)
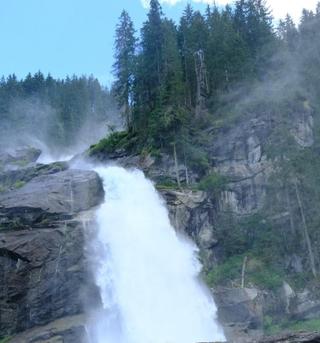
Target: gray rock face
point(44, 273)
point(302, 130)
point(240, 311)
point(43, 276)
point(68, 191)
point(238, 153)
point(13, 160)
point(191, 212)
point(13, 179)
point(67, 330)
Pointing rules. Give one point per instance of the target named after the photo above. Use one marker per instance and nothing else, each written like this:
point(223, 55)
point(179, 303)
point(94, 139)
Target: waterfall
point(148, 276)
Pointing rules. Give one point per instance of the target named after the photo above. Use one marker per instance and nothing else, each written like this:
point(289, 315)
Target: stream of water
point(147, 274)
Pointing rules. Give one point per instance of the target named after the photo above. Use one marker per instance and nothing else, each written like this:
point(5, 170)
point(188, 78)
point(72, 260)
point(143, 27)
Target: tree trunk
point(305, 230)
point(185, 165)
point(243, 272)
point(176, 164)
point(292, 226)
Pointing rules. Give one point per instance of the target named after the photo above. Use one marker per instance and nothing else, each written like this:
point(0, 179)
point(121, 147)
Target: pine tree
point(288, 33)
point(152, 42)
point(186, 51)
point(253, 21)
point(193, 36)
point(124, 66)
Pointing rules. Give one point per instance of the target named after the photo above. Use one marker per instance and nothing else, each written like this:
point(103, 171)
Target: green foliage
point(115, 141)
point(257, 273)
point(123, 68)
point(228, 271)
point(5, 340)
point(272, 328)
point(307, 325)
point(167, 183)
point(213, 183)
point(19, 184)
point(163, 90)
point(264, 276)
point(2, 189)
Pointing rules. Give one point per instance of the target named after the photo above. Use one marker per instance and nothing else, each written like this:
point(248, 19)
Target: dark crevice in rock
point(13, 255)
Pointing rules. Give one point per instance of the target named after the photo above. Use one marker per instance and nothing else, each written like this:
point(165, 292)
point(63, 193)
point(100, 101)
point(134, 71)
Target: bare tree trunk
point(292, 226)
point(176, 164)
point(305, 229)
point(185, 165)
point(243, 272)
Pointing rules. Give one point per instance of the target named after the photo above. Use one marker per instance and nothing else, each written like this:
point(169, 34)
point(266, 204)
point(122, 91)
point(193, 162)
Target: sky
point(66, 37)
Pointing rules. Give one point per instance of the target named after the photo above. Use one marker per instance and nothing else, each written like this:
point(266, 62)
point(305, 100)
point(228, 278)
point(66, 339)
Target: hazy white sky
point(280, 7)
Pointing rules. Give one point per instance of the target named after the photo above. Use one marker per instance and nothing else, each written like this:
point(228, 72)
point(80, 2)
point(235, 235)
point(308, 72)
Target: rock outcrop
point(44, 275)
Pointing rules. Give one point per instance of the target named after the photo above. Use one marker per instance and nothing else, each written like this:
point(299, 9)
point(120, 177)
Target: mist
point(60, 117)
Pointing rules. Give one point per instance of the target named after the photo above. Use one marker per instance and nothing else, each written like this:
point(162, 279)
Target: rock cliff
point(44, 276)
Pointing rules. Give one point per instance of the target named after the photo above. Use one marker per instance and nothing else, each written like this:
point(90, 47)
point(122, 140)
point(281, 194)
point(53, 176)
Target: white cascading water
point(147, 275)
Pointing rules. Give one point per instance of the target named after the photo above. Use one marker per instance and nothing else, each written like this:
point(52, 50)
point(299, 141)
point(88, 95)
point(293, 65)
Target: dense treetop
point(172, 76)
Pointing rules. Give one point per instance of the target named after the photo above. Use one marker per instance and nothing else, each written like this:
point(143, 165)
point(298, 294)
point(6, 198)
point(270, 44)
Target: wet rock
point(44, 272)
point(303, 124)
point(67, 330)
point(13, 179)
point(68, 191)
point(15, 159)
point(307, 306)
point(43, 276)
point(240, 310)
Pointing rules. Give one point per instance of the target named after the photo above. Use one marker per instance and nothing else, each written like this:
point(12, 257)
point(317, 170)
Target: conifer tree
point(124, 66)
point(152, 42)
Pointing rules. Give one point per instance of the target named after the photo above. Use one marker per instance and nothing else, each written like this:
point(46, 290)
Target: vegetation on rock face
point(272, 328)
point(114, 142)
point(214, 183)
point(19, 184)
point(5, 340)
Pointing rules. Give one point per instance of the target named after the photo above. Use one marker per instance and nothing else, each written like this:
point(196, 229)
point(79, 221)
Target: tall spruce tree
point(152, 42)
point(186, 52)
point(124, 66)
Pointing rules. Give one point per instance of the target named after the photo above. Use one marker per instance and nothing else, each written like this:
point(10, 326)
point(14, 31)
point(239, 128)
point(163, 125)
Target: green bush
point(213, 183)
point(265, 278)
point(228, 271)
point(305, 325)
point(257, 273)
point(116, 140)
point(5, 339)
point(272, 328)
point(166, 183)
point(19, 184)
